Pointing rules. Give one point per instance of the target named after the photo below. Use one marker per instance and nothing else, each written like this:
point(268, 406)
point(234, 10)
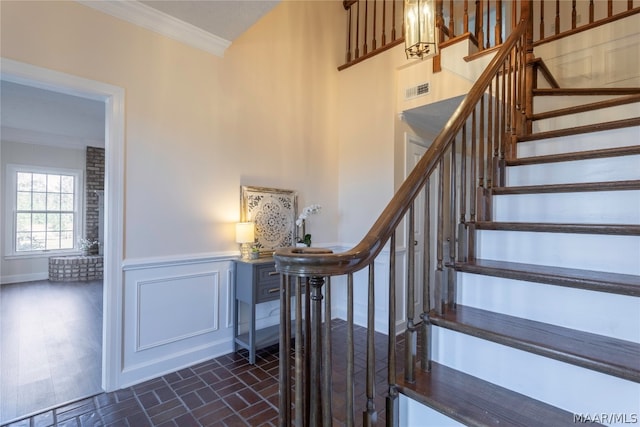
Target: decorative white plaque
point(274, 213)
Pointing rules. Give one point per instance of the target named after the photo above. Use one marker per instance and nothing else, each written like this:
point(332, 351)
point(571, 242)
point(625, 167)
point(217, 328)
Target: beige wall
point(198, 126)
point(368, 106)
point(273, 112)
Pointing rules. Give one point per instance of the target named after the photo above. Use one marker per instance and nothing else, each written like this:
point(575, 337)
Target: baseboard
point(158, 367)
point(19, 278)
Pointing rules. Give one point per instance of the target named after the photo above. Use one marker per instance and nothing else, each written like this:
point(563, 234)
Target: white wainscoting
point(584, 60)
point(177, 312)
point(192, 301)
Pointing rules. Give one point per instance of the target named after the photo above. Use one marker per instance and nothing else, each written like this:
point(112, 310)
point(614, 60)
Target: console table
point(256, 281)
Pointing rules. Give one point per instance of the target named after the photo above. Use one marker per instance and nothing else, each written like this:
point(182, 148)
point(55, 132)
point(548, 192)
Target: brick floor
point(226, 391)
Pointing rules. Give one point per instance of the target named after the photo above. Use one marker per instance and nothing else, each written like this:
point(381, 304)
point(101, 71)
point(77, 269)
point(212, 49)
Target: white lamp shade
point(245, 232)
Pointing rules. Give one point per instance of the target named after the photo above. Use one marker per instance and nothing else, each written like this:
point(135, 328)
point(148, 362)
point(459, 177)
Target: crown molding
point(161, 23)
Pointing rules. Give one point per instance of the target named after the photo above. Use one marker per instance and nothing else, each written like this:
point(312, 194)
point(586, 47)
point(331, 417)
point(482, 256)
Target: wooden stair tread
point(600, 353)
point(618, 229)
point(596, 127)
point(475, 402)
point(577, 155)
point(586, 91)
point(628, 99)
point(623, 284)
point(569, 188)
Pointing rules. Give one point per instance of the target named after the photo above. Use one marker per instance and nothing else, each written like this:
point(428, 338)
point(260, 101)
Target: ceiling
point(44, 117)
point(227, 19)
point(39, 116)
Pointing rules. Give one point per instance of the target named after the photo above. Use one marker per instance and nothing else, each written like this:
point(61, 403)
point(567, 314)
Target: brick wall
point(94, 183)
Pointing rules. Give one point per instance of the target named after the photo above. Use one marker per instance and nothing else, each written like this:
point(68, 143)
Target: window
point(45, 213)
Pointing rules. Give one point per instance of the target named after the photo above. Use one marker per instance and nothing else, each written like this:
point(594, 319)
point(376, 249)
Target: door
point(415, 149)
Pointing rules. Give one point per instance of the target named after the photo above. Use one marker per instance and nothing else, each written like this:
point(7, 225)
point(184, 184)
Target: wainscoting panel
point(622, 63)
point(192, 301)
point(176, 314)
point(584, 60)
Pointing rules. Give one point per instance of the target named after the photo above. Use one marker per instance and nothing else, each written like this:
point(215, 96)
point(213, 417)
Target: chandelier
point(420, 28)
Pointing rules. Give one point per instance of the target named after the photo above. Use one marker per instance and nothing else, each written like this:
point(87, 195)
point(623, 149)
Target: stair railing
point(373, 26)
point(455, 175)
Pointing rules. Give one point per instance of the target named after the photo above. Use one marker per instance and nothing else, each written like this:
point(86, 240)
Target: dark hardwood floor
point(50, 345)
point(225, 391)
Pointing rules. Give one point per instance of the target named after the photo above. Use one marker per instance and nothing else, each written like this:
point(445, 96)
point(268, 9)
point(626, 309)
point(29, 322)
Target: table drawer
point(268, 283)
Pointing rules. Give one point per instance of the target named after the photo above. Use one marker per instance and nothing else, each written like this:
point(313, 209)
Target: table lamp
point(245, 235)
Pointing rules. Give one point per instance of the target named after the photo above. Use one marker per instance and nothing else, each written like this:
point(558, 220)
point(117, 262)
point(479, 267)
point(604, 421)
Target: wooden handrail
point(306, 262)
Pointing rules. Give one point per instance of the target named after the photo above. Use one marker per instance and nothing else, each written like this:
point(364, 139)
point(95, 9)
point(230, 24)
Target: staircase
point(529, 313)
point(546, 329)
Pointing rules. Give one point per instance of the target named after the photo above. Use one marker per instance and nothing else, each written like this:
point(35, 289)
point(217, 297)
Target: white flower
point(86, 244)
point(309, 210)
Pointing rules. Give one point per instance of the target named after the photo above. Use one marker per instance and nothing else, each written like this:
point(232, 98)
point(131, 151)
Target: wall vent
point(416, 91)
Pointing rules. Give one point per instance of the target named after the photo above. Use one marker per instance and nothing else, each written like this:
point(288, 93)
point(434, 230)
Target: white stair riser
point(596, 312)
point(572, 388)
point(542, 104)
point(618, 254)
point(590, 170)
point(415, 414)
point(575, 208)
point(619, 112)
point(624, 137)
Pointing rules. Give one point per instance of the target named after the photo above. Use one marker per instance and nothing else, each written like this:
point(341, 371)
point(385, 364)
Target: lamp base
point(245, 251)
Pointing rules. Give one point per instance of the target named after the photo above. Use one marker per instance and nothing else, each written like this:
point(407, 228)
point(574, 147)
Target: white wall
point(367, 93)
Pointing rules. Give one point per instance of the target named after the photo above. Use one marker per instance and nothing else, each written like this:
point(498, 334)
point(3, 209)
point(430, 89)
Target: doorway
point(113, 98)
point(415, 148)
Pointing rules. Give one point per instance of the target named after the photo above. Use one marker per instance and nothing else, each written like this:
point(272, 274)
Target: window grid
point(45, 214)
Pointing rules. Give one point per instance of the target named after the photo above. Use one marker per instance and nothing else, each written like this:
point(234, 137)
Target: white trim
point(19, 278)
point(230, 297)
point(161, 23)
point(175, 261)
point(154, 368)
point(113, 97)
point(11, 209)
point(215, 275)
